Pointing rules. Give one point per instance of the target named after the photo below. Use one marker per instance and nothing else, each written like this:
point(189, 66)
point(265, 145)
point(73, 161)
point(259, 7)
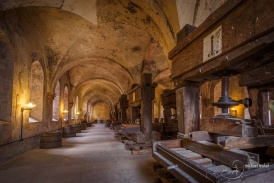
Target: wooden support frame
point(187, 102)
point(243, 41)
point(142, 96)
point(213, 151)
point(228, 142)
point(187, 170)
point(230, 126)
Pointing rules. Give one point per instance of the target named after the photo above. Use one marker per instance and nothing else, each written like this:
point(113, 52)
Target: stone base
point(51, 140)
point(139, 137)
point(14, 149)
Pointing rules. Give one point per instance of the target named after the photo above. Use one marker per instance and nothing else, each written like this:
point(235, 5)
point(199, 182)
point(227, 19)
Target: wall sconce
point(77, 113)
point(235, 111)
point(63, 113)
point(28, 106)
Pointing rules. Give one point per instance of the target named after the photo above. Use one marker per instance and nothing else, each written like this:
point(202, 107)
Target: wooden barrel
point(51, 140)
point(89, 124)
point(69, 131)
point(78, 128)
point(83, 126)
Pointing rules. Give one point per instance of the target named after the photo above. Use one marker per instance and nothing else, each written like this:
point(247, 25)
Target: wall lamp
point(235, 111)
point(63, 113)
point(28, 106)
point(77, 113)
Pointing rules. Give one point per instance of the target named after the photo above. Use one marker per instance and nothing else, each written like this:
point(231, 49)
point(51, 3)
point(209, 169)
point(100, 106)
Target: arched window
point(76, 105)
point(6, 78)
point(72, 112)
point(65, 103)
point(36, 91)
point(76, 108)
point(56, 103)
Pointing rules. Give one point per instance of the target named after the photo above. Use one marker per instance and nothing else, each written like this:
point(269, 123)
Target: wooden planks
point(141, 152)
point(236, 126)
point(259, 76)
point(187, 102)
point(213, 151)
point(247, 39)
point(245, 142)
point(212, 19)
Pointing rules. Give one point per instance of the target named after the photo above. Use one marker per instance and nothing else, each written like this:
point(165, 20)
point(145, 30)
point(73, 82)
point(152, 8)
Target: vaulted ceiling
point(103, 46)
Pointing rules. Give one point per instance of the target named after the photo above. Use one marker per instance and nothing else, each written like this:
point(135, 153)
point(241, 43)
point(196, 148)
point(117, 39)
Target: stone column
point(187, 103)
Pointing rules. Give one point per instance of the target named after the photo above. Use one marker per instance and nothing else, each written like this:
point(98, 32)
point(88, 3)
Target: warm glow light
point(77, 113)
point(233, 109)
point(65, 111)
point(29, 106)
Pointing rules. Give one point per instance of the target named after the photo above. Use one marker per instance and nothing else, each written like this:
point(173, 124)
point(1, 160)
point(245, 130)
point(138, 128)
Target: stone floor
point(94, 156)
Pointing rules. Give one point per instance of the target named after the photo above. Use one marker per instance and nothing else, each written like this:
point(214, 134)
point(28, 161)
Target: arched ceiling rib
point(98, 99)
point(84, 8)
point(98, 85)
point(124, 39)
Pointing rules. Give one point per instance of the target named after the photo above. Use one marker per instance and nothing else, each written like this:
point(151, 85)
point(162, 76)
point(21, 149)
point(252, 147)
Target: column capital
point(51, 96)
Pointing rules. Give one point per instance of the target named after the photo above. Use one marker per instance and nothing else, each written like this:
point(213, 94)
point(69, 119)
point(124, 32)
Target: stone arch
point(36, 91)
point(101, 110)
point(99, 62)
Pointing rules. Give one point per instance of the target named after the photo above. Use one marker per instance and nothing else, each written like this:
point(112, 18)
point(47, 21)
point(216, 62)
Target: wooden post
point(134, 114)
point(123, 107)
point(116, 112)
point(146, 112)
point(148, 95)
point(167, 115)
point(187, 102)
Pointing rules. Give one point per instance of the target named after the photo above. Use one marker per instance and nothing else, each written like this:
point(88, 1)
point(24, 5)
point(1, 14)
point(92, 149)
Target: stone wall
point(101, 111)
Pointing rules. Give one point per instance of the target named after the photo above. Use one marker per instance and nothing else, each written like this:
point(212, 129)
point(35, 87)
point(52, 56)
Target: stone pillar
point(187, 103)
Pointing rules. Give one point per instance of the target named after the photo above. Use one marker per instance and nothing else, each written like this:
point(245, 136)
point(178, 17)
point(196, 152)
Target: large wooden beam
point(237, 33)
point(259, 76)
point(187, 103)
point(230, 126)
point(213, 151)
point(245, 142)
